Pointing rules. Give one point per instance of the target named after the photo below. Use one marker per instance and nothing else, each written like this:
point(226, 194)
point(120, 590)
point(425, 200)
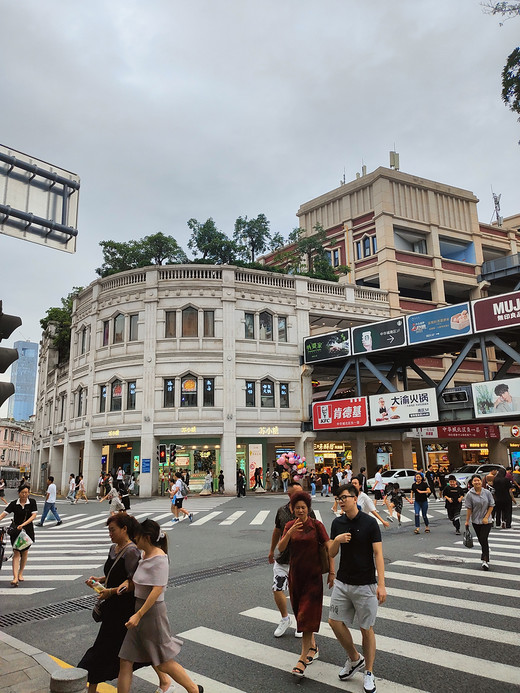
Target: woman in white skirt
point(149, 638)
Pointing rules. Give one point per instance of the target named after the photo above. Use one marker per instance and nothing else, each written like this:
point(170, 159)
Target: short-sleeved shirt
point(379, 484)
point(423, 486)
point(283, 516)
point(176, 490)
point(356, 564)
point(151, 572)
point(51, 490)
point(502, 486)
point(365, 503)
point(453, 493)
point(479, 504)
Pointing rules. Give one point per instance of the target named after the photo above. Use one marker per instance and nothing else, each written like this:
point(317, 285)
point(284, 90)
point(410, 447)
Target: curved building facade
point(204, 358)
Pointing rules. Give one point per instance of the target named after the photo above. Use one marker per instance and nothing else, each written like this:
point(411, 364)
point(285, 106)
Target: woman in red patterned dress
point(305, 535)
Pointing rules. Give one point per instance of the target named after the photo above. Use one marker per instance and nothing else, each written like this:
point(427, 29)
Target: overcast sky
point(172, 109)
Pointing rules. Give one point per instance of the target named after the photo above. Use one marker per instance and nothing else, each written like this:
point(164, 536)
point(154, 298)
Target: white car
point(404, 477)
point(464, 474)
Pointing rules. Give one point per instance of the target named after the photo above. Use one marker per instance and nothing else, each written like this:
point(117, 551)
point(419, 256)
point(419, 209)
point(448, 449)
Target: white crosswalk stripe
point(233, 517)
point(260, 518)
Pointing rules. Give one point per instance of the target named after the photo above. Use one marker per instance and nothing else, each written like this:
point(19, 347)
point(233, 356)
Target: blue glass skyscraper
point(23, 376)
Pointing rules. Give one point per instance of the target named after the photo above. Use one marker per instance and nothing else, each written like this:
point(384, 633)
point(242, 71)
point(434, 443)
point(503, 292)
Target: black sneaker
point(485, 565)
point(59, 523)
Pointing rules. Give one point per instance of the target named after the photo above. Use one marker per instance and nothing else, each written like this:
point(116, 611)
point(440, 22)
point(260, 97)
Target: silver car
point(403, 477)
point(464, 474)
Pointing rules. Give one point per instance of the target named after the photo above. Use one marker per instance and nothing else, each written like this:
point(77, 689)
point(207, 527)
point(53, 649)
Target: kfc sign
point(340, 413)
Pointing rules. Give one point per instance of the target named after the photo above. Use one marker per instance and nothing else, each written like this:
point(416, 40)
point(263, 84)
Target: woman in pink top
point(149, 638)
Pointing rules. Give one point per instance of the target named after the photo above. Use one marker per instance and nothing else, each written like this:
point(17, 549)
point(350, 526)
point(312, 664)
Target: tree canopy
point(62, 317)
point(252, 235)
point(156, 249)
point(212, 244)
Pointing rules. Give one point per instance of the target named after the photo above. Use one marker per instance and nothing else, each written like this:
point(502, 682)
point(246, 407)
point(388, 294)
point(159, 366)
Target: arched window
point(190, 322)
point(189, 391)
point(267, 397)
point(119, 328)
point(116, 396)
point(266, 326)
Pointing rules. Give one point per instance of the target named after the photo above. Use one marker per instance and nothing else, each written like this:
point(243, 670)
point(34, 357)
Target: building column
point(498, 452)
point(148, 481)
point(228, 461)
point(359, 452)
point(455, 454)
point(402, 454)
point(91, 463)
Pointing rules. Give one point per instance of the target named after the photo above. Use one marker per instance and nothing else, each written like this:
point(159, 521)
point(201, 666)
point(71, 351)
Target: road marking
point(477, 666)
point(260, 517)
point(233, 517)
point(24, 591)
point(456, 571)
point(72, 566)
point(99, 521)
point(280, 659)
point(467, 586)
point(72, 522)
point(206, 518)
point(477, 549)
point(318, 516)
point(40, 578)
point(161, 517)
point(148, 674)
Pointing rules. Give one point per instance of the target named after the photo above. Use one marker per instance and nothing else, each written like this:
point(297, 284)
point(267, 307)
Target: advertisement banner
point(408, 407)
point(340, 413)
point(442, 323)
point(377, 336)
point(496, 398)
point(323, 347)
point(496, 312)
point(468, 431)
point(255, 460)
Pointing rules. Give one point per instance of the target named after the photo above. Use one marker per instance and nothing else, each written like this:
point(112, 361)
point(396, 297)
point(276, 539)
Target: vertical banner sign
point(255, 460)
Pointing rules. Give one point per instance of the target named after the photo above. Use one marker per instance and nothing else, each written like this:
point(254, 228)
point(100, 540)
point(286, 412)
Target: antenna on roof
point(496, 202)
point(394, 160)
point(344, 179)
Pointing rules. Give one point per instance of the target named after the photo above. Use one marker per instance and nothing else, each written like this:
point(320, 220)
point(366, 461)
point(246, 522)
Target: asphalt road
point(446, 626)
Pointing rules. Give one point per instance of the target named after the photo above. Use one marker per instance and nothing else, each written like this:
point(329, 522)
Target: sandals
point(14, 584)
point(417, 531)
point(310, 659)
point(297, 671)
point(427, 530)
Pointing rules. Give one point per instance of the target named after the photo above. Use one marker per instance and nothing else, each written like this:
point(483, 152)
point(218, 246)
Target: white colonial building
point(208, 358)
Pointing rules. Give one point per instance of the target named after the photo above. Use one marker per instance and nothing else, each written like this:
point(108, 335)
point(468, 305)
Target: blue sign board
point(442, 323)
point(145, 466)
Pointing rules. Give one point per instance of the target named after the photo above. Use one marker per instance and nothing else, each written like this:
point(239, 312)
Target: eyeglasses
point(340, 498)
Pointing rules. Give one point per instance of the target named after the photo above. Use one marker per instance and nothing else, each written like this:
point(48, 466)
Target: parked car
point(464, 474)
point(404, 477)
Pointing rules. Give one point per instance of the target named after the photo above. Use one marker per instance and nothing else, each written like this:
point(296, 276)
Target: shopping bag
point(23, 541)
point(467, 539)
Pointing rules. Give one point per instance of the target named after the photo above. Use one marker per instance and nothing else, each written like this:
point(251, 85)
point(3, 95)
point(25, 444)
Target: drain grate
point(73, 605)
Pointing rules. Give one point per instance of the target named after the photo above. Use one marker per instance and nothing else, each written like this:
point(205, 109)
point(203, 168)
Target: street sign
point(376, 336)
point(38, 201)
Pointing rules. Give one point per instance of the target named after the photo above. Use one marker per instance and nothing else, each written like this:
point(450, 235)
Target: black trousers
point(504, 512)
point(482, 532)
point(453, 510)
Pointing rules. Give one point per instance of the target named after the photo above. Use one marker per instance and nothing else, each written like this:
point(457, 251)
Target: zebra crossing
point(455, 608)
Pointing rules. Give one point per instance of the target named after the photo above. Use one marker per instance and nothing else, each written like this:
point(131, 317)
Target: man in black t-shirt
point(356, 592)
point(453, 495)
point(325, 480)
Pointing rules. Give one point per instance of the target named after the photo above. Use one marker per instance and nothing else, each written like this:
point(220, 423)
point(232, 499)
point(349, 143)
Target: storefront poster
point(442, 323)
point(377, 336)
point(496, 312)
point(340, 413)
point(145, 465)
point(255, 460)
point(410, 406)
point(496, 398)
point(323, 347)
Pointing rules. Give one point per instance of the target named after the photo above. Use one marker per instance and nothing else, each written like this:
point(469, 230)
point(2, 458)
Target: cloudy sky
point(172, 109)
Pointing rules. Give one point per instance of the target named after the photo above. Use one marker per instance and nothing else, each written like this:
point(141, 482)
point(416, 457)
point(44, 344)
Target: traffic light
point(8, 324)
point(161, 454)
point(173, 453)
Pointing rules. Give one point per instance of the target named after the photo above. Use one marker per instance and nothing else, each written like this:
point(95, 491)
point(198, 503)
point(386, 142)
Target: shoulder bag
point(97, 611)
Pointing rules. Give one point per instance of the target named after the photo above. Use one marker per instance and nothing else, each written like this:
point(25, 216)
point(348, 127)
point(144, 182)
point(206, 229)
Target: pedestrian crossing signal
point(161, 454)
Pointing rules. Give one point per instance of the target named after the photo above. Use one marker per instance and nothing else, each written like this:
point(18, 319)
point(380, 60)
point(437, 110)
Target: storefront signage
point(145, 465)
point(136, 463)
point(468, 431)
point(329, 447)
point(496, 312)
point(409, 406)
point(515, 431)
point(443, 323)
point(377, 336)
point(189, 429)
point(113, 433)
point(323, 347)
point(268, 430)
point(496, 398)
point(340, 413)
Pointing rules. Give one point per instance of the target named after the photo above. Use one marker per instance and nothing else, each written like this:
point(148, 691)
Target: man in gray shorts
point(356, 592)
point(281, 562)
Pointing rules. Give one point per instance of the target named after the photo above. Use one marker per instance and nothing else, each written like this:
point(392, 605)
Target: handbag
point(467, 539)
point(97, 611)
point(12, 530)
point(324, 555)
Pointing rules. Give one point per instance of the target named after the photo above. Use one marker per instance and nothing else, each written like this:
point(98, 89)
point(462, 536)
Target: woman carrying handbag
point(24, 513)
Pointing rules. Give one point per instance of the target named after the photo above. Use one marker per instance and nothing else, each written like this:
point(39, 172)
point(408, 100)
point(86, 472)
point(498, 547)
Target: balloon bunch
point(294, 464)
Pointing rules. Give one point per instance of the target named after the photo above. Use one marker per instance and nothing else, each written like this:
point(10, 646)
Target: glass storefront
point(195, 459)
point(331, 454)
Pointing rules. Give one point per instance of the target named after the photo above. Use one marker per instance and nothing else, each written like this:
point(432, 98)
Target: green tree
point(157, 249)
point(252, 234)
point(277, 241)
point(118, 257)
point(213, 245)
point(62, 318)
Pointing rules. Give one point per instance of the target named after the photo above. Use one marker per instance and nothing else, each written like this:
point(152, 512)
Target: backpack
point(184, 489)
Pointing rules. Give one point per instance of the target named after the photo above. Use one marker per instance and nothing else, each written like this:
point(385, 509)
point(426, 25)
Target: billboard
point(324, 347)
point(496, 312)
point(340, 413)
point(38, 201)
point(496, 398)
point(377, 336)
point(442, 323)
point(408, 407)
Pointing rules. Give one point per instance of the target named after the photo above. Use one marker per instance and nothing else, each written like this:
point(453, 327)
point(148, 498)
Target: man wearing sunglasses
point(356, 592)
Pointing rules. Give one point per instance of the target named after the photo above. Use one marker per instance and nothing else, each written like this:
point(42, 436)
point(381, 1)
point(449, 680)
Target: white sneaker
point(298, 634)
point(170, 689)
point(485, 565)
point(351, 667)
point(282, 627)
point(369, 683)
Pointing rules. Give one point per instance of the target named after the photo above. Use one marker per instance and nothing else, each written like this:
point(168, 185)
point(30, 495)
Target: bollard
point(69, 681)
